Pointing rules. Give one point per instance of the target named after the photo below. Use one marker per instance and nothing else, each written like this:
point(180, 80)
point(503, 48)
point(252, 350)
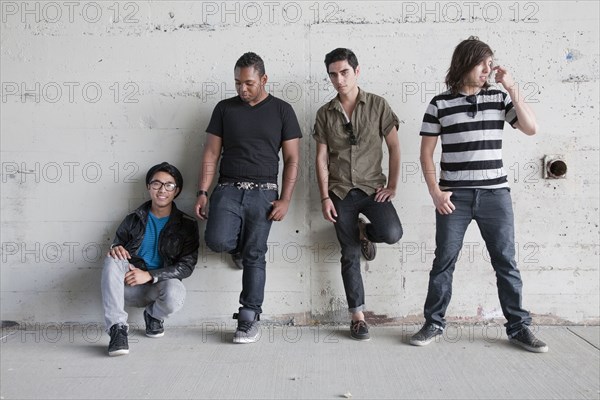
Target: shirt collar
point(335, 104)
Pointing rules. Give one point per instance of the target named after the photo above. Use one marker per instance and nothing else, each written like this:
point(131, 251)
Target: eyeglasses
point(472, 99)
point(157, 185)
point(351, 139)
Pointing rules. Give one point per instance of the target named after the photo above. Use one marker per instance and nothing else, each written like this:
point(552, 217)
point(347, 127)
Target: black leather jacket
point(178, 242)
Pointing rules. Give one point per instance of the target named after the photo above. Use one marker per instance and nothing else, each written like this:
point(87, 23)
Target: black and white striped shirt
point(471, 134)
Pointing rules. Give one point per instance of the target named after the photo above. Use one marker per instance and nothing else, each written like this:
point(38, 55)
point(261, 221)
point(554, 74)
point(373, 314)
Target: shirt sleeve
point(389, 119)
point(215, 126)
point(510, 115)
point(291, 127)
point(319, 129)
point(431, 124)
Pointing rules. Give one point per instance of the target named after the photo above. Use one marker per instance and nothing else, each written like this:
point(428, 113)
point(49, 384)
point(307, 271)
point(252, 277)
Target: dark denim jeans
point(385, 227)
point(238, 223)
point(492, 210)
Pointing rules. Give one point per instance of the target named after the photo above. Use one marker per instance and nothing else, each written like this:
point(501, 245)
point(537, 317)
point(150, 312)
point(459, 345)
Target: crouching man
point(155, 247)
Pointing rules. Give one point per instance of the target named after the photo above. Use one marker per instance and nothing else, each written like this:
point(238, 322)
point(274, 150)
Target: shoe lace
point(245, 326)
point(120, 337)
point(356, 326)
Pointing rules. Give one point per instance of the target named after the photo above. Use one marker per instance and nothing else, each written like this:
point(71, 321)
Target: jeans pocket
point(269, 196)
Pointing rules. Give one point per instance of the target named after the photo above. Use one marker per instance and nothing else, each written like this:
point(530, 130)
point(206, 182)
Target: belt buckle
point(245, 185)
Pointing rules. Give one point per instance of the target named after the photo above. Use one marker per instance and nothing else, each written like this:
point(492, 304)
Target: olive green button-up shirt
point(356, 166)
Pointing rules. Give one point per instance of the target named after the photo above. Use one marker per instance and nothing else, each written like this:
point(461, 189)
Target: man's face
point(343, 77)
point(479, 75)
point(249, 84)
point(158, 189)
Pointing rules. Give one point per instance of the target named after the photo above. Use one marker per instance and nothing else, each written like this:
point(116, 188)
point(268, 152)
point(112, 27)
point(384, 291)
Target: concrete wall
point(94, 93)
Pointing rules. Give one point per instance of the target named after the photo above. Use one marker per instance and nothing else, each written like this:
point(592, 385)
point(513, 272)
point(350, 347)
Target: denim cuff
point(357, 309)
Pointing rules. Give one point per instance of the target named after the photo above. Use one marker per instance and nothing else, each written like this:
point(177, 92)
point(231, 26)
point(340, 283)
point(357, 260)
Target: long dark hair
point(467, 55)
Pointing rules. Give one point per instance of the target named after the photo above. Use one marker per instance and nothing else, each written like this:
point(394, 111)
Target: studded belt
point(250, 185)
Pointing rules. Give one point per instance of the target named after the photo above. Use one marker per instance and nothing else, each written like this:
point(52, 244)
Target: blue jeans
point(492, 210)
point(238, 223)
point(160, 299)
point(385, 227)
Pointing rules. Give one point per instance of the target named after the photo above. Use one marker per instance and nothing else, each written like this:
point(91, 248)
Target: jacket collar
point(143, 210)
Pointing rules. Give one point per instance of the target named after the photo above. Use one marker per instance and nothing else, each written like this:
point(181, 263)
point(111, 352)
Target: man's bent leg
point(385, 226)
point(167, 298)
point(224, 220)
point(113, 289)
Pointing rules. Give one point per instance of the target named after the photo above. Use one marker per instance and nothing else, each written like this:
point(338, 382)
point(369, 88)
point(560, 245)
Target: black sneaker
point(527, 340)
point(118, 345)
point(359, 330)
point(247, 329)
point(427, 333)
point(367, 248)
point(237, 260)
point(154, 327)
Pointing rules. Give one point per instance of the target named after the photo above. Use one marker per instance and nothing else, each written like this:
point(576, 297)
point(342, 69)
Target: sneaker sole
point(244, 340)
point(422, 343)
point(529, 348)
point(121, 352)
point(360, 339)
point(155, 335)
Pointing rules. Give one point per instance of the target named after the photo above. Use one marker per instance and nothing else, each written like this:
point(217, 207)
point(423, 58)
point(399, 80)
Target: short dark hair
point(251, 59)
point(169, 169)
point(341, 54)
point(467, 55)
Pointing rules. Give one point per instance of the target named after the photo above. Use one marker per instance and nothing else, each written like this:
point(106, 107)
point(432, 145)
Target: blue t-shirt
point(149, 249)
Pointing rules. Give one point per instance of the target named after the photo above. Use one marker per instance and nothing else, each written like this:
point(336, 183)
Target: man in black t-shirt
point(246, 133)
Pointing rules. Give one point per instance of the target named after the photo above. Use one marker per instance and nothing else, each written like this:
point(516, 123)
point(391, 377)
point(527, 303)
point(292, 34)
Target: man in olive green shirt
point(349, 131)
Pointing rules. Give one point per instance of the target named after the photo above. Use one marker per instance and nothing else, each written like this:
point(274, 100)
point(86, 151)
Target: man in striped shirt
point(469, 118)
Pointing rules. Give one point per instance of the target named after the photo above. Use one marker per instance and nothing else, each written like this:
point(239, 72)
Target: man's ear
point(357, 72)
point(264, 79)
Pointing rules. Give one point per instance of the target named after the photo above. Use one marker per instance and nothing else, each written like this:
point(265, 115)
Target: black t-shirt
point(252, 137)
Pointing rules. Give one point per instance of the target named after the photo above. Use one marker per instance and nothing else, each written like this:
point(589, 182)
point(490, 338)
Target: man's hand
point(504, 78)
point(328, 209)
point(136, 276)
point(119, 253)
point(384, 194)
point(442, 202)
point(279, 210)
point(201, 207)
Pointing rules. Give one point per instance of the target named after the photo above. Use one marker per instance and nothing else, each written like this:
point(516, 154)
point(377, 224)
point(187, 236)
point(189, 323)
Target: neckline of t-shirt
point(481, 91)
point(257, 105)
point(157, 218)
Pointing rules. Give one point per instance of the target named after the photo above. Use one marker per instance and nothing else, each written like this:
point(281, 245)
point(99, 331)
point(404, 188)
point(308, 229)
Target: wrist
point(201, 192)
point(324, 199)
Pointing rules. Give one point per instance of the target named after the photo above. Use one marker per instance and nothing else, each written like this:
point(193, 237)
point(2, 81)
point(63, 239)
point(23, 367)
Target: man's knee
point(220, 244)
point(390, 234)
point(394, 234)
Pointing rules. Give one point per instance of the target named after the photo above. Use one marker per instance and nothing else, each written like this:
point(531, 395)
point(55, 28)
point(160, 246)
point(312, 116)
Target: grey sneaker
point(359, 330)
point(527, 340)
point(427, 333)
point(118, 345)
point(367, 248)
point(247, 330)
point(237, 260)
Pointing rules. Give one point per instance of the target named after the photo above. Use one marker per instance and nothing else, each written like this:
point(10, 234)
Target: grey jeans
point(160, 299)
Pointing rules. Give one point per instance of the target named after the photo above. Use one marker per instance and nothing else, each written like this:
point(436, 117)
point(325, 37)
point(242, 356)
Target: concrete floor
point(290, 362)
